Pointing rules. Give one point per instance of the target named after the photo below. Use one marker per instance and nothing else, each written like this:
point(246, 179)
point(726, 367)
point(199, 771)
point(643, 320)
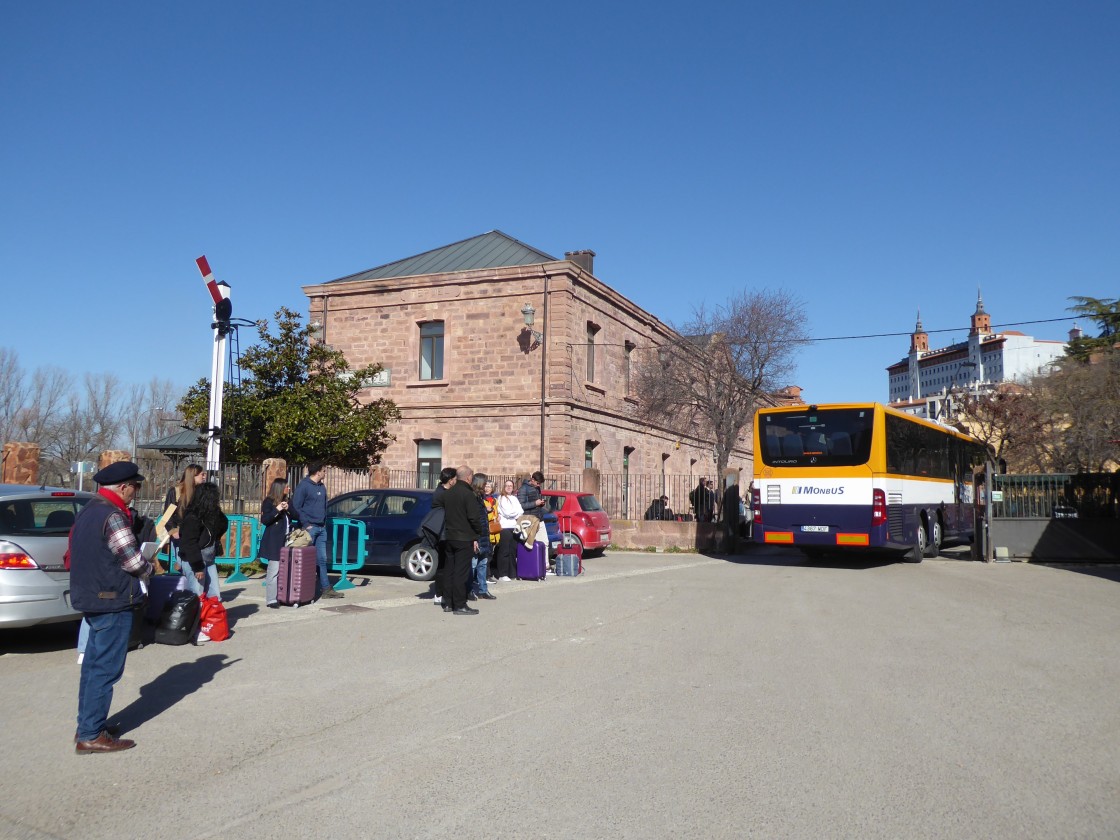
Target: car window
point(39, 517)
point(397, 504)
point(588, 503)
point(555, 503)
point(352, 505)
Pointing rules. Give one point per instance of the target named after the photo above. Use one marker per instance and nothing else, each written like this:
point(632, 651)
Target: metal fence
point(622, 495)
point(1061, 495)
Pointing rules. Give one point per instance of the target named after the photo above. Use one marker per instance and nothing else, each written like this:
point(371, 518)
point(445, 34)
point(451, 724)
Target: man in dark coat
point(106, 568)
point(464, 532)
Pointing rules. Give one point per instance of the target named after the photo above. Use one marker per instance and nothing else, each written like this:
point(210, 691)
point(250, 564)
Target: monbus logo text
point(809, 490)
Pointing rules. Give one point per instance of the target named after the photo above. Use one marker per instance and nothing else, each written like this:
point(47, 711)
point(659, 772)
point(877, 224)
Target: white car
point(34, 533)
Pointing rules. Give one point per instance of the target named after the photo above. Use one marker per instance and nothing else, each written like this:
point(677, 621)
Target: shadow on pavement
point(765, 555)
point(235, 614)
point(42, 638)
point(1107, 571)
point(168, 689)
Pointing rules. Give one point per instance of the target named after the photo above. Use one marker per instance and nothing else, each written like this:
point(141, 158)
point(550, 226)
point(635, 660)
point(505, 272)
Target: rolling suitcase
point(136, 634)
point(298, 570)
point(160, 590)
point(532, 560)
point(569, 556)
point(179, 624)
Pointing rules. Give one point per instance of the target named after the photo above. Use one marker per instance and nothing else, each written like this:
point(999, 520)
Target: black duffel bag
point(179, 623)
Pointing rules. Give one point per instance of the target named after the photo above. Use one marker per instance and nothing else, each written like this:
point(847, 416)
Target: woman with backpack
point(200, 537)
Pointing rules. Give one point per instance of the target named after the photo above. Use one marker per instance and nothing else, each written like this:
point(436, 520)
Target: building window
point(429, 462)
point(589, 453)
point(628, 348)
point(592, 331)
point(431, 350)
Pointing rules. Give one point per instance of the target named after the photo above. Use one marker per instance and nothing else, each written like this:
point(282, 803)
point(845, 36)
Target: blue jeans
point(102, 667)
point(318, 534)
point(192, 583)
point(479, 568)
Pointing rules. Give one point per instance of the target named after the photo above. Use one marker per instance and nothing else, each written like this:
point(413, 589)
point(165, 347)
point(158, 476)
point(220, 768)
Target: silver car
point(34, 529)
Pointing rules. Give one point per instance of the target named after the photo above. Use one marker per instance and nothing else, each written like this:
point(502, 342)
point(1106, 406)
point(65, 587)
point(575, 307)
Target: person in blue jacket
point(309, 506)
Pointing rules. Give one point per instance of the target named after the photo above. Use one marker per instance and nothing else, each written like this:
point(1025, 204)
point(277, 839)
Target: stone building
point(504, 357)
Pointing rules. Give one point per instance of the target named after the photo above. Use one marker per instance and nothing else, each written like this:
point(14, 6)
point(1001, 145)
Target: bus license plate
point(816, 529)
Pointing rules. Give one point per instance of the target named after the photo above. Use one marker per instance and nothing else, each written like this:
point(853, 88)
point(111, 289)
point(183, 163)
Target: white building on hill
point(925, 381)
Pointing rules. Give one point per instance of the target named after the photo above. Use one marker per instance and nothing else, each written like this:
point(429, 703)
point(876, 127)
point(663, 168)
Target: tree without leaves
point(298, 401)
point(1011, 422)
point(1082, 405)
point(722, 365)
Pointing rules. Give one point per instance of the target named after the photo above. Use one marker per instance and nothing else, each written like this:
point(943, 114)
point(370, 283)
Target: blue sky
point(873, 157)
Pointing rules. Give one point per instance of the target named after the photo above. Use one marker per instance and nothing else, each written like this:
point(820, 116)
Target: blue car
point(392, 519)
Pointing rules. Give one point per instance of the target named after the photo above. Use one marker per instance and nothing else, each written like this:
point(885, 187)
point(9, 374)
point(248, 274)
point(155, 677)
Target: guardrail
point(340, 549)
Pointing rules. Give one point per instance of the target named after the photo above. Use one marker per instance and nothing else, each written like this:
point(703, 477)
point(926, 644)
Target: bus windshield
point(831, 437)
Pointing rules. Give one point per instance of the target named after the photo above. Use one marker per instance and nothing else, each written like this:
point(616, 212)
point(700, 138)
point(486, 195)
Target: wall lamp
point(529, 313)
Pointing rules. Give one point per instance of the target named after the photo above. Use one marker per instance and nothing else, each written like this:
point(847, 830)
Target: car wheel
point(419, 562)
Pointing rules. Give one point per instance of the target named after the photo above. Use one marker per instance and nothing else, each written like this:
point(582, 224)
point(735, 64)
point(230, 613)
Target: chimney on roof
point(584, 259)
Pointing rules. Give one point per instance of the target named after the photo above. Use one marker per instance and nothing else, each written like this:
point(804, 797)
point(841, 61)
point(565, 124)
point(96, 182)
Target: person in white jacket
point(508, 511)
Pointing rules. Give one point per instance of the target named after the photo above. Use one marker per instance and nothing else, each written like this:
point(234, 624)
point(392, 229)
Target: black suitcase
point(179, 623)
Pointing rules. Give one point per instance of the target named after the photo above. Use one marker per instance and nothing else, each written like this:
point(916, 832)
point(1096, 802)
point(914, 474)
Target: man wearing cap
point(105, 571)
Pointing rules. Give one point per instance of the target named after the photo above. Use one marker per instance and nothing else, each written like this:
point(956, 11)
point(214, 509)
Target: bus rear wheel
point(921, 544)
point(933, 543)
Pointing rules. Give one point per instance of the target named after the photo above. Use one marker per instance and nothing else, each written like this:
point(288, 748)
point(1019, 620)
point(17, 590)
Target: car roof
point(40, 490)
point(412, 491)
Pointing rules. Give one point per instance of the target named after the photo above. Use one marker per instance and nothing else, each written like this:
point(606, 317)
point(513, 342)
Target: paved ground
point(658, 696)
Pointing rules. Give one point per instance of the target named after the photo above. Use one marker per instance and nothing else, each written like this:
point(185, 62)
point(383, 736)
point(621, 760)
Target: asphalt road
point(657, 696)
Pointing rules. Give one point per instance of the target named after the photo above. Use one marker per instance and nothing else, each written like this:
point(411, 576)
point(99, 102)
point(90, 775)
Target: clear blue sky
point(874, 157)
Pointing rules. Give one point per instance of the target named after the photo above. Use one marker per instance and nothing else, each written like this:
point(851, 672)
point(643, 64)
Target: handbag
point(209, 550)
point(298, 538)
point(495, 526)
point(213, 618)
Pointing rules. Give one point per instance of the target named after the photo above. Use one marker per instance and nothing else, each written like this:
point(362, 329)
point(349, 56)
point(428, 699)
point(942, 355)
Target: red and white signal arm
point(219, 292)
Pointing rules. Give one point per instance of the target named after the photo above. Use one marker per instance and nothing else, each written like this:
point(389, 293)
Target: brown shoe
point(103, 743)
point(331, 593)
point(113, 731)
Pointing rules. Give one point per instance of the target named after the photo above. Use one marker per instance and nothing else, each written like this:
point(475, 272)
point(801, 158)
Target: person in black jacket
point(277, 522)
point(200, 536)
point(446, 480)
point(464, 532)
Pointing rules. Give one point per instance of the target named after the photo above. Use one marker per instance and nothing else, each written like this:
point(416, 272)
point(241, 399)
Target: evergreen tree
point(298, 400)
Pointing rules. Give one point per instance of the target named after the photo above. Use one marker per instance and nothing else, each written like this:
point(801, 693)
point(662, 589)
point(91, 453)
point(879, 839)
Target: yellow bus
point(862, 477)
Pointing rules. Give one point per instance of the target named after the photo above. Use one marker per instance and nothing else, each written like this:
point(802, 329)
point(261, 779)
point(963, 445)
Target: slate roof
point(187, 440)
point(488, 250)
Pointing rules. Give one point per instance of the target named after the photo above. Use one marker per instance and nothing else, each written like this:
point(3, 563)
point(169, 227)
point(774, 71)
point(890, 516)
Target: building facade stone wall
point(487, 408)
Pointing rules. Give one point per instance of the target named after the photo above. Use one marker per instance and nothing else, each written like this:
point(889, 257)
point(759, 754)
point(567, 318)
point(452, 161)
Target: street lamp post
point(136, 428)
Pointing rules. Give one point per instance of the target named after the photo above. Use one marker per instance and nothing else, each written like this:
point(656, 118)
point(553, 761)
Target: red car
point(581, 514)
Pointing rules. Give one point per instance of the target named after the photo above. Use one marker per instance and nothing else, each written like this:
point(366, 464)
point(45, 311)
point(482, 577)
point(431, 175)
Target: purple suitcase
point(160, 590)
point(298, 570)
point(532, 561)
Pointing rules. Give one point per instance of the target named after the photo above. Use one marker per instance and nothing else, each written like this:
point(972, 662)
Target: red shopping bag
point(213, 620)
